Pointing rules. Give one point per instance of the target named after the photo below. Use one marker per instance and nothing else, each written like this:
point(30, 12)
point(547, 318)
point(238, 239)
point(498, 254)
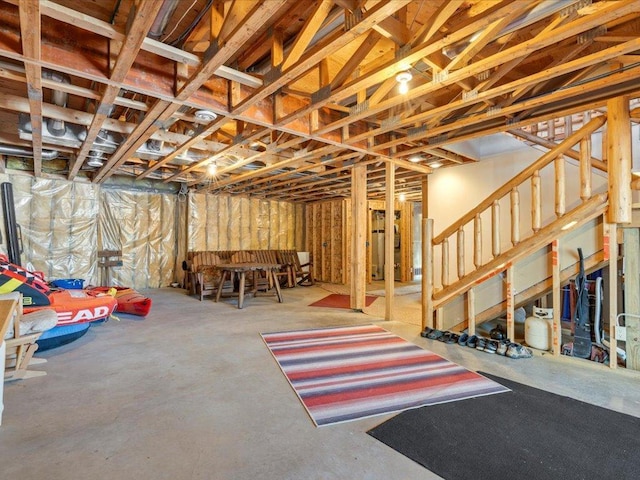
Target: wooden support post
point(632, 296)
point(427, 273)
point(536, 197)
point(471, 311)
point(619, 153)
point(560, 186)
point(477, 241)
point(495, 229)
point(515, 216)
point(389, 225)
point(556, 299)
point(610, 246)
point(510, 304)
point(585, 169)
point(460, 256)
point(359, 237)
point(425, 197)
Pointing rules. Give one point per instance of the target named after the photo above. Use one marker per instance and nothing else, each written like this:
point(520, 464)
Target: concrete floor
point(191, 392)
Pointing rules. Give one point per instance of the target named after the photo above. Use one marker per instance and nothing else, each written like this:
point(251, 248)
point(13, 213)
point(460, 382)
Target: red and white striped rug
point(347, 373)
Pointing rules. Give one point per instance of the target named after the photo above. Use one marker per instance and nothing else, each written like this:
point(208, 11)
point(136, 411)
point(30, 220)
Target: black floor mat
point(526, 433)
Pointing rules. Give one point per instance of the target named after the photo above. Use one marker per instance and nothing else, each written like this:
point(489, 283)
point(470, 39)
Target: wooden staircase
point(462, 265)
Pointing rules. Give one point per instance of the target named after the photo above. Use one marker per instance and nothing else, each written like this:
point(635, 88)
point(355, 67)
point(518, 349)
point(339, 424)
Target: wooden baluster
point(585, 169)
point(477, 241)
point(445, 262)
point(535, 201)
point(515, 216)
point(560, 189)
point(460, 247)
point(495, 228)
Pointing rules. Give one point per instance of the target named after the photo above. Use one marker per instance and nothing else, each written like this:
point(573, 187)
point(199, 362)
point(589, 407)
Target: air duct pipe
point(57, 127)
point(27, 152)
point(160, 23)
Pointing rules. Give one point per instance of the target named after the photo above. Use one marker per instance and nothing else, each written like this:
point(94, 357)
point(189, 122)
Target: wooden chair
point(271, 256)
point(206, 279)
point(23, 334)
point(299, 274)
point(257, 281)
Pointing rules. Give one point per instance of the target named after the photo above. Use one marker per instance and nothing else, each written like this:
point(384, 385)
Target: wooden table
point(241, 269)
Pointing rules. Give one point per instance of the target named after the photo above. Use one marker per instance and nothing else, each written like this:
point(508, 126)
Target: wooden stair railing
point(538, 236)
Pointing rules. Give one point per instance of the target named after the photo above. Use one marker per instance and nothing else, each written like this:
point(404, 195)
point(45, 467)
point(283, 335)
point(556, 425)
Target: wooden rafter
point(30, 35)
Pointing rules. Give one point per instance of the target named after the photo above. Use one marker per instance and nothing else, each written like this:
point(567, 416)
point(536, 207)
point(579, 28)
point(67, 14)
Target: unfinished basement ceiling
point(282, 97)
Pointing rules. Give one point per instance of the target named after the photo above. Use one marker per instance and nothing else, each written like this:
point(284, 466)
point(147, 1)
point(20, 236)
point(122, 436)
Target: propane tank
point(538, 329)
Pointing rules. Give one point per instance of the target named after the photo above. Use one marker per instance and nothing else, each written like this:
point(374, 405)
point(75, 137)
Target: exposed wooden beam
point(143, 16)
point(30, 36)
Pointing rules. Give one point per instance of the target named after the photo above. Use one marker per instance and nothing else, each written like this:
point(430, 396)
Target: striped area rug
point(347, 373)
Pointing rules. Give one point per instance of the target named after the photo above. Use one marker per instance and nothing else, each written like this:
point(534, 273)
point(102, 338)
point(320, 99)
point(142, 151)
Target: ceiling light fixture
point(403, 78)
point(435, 164)
point(205, 115)
point(415, 158)
point(212, 169)
point(402, 197)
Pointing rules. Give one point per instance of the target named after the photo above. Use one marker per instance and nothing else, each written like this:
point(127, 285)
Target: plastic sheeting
point(64, 225)
point(223, 222)
point(142, 226)
point(58, 220)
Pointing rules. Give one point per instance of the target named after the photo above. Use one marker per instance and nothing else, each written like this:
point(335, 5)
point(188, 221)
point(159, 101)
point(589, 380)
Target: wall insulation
point(64, 225)
point(223, 222)
point(59, 226)
point(143, 226)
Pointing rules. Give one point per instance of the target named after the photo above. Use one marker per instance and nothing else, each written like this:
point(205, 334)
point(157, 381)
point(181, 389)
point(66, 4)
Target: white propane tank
point(538, 329)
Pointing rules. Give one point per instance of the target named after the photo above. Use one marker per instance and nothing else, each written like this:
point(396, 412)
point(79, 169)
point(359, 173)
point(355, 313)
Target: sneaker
point(426, 332)
point(435, 334)
point(462, 341)
point(453, 338)
point(472, 341)
point(481, 344)
point(515, 350)
point(491, 346)
point(502, 348)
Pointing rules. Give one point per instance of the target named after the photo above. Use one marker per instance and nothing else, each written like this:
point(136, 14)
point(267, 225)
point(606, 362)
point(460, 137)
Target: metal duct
point(57, 127)
point(27, 152)
point(160, 23)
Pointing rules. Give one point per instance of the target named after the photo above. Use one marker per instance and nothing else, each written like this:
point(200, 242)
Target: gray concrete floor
point(191, 392)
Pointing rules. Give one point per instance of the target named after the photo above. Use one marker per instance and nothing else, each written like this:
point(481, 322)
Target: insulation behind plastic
point(64, 225)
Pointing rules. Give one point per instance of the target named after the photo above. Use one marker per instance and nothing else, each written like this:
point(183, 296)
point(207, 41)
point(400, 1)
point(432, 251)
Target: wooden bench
point(298, 274)
point(201, 278)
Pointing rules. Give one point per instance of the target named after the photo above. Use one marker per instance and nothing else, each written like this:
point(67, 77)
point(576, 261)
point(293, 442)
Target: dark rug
point(336, 300)
point(525, 433)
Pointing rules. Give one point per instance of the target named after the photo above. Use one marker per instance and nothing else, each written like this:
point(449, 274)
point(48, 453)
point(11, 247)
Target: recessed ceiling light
point(205, 115)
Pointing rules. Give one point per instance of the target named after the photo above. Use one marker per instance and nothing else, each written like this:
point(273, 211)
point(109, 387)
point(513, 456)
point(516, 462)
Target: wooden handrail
point(582, 213)
point(543, 161)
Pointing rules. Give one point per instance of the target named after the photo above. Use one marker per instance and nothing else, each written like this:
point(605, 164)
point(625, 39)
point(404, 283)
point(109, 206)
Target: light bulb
point(402, 197)
point(212, 169)
point(403, 79)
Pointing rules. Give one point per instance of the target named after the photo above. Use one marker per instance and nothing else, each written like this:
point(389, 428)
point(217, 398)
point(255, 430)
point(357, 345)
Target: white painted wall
point(455, 191)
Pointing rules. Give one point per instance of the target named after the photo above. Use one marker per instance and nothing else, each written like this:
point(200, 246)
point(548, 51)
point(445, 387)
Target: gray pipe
point(160, 23)
point(57, 127)
point(27, 152)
